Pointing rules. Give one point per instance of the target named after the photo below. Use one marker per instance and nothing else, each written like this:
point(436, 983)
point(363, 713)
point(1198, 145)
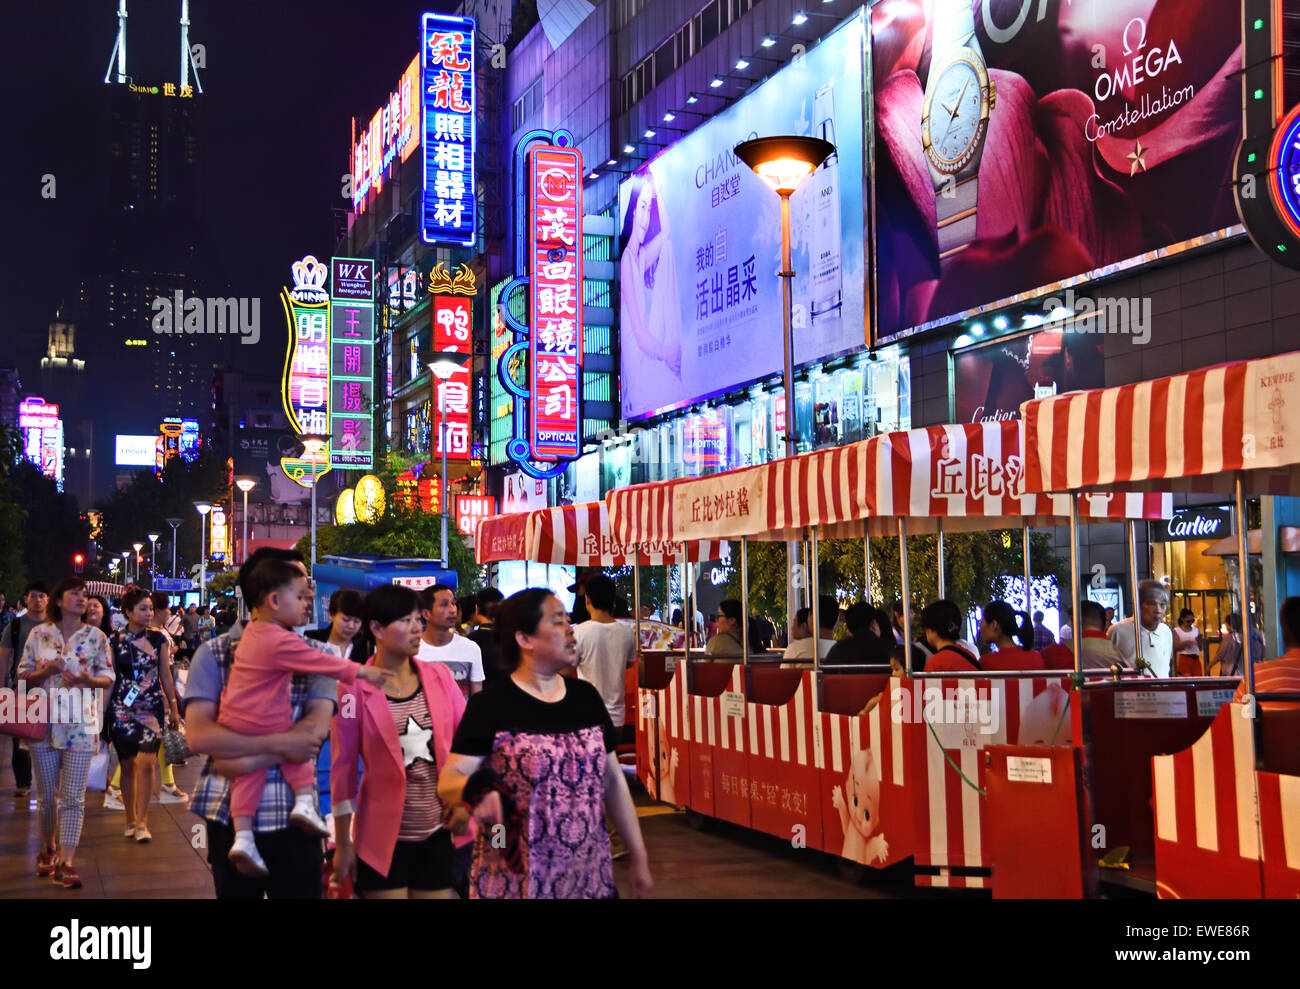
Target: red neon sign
point(471, 509)
point(452, 321)
point(555, 301)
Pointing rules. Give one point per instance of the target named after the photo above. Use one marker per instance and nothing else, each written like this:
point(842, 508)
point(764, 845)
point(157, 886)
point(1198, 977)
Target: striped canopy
point(578, 535)
point(1188, 432)
point(971, 476)
point(105, 588)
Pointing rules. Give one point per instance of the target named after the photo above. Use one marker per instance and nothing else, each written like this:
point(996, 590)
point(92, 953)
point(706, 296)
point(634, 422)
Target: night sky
point(283, 80)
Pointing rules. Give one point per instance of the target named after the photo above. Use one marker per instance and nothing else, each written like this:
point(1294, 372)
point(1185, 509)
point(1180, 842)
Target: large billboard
point(391, 137)
point(134, 450)
point(700, 240)
point(1021, 145)
point(990, 382)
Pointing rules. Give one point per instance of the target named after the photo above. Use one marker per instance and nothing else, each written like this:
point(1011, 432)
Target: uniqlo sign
point(471, 509)
point(555, 301)
point(447, 74)
point(452, 322)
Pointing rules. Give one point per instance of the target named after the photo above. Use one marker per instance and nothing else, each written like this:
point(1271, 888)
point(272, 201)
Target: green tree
point(403, 531)
point(13, 517)
point(52, 531)
point(654, 586)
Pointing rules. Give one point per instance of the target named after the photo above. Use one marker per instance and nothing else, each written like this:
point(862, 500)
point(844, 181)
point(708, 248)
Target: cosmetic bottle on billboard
point(824, 234)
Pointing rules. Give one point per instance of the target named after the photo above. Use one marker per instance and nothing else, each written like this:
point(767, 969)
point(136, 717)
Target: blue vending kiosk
point(364, 573)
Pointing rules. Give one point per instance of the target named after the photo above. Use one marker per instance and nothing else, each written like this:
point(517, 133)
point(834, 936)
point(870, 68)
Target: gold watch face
point(956, 112)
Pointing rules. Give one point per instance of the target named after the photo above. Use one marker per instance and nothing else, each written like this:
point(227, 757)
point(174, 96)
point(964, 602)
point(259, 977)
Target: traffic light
point(1268, 159)
point(78, 562)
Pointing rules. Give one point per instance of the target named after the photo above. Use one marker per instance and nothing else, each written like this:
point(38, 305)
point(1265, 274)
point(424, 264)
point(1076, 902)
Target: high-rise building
point(63, 381)
point(144, 248)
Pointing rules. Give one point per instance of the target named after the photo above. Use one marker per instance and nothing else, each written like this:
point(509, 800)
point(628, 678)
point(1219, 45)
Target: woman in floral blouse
point(71, 660)
point(143, 697)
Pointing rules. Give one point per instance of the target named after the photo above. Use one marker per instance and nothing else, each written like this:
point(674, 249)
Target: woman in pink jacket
point(393, 835)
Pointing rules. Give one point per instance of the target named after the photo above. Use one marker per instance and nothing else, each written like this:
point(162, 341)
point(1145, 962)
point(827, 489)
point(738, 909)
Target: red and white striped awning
point(579, 535)
point(1188, 432)
point(969, 475)
point(105, 588)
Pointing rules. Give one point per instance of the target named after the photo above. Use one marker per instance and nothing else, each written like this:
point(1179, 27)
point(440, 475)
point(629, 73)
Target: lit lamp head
point(444, 363)
point(154, 536)
point(784, 162)
point(137, 547)
point(202, 507)
point(245, 484)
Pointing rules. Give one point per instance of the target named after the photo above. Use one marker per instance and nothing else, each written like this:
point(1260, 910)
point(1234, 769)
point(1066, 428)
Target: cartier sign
point(1194, 523)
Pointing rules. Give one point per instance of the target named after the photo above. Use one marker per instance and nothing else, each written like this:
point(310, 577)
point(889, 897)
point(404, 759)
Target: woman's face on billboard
point(644, 200)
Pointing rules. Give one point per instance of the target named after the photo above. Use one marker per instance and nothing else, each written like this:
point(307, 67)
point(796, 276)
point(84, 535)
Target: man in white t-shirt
point(441, 644)
point(1157, 637)
point(606, 647)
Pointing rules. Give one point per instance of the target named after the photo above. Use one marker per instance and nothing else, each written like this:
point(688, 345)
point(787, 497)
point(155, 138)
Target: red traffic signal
point(78, 560)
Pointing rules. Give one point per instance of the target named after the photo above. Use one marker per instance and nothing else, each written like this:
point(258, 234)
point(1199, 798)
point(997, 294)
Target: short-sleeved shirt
point(1013, 658)
point(605, 651)
point(950, 659)
point(1281, 675)
point(209, 671)
point(86, 651)
point(1157, 646)
point(550, 758)
point(462, 656)
point(422, 812)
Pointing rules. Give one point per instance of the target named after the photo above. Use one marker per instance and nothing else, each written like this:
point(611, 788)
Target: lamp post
point(442, 365)
point(153, 559)
point(175, 524)
point(782, 163)
point(314, 451)
point(246, 484)
point(137, 547)
point(126, 567)
point(202, 507)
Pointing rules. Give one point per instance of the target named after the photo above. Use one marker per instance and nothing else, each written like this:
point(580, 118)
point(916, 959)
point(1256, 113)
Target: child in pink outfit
point(256, 700)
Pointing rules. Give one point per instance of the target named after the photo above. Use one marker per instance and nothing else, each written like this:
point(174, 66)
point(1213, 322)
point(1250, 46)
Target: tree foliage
point(13, 517)
point(402, 530)
point(145, 504)
point(976, 565)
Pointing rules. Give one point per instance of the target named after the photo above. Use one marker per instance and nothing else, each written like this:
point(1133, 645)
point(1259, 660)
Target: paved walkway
point(722, 861)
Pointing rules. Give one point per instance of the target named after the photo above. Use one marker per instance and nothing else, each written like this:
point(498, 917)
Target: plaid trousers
point(64, 771)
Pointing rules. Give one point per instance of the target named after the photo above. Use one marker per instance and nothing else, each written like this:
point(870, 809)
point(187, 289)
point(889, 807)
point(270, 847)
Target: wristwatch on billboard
point(954, 123)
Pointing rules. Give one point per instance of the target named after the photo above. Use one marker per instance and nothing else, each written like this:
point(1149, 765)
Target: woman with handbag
point(65, 653)
point(143, 699)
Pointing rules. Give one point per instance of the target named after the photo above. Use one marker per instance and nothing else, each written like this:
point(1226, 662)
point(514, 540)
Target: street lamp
point(137, 547)
point(153, 559)
point(443, 364)
point(783, 163)
point(203, 508)
point(126, 567)
point(175, 524)
point(246, 484)
point(314, 451)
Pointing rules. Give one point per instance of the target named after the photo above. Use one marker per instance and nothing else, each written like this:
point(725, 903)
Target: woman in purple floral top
point(535, 752)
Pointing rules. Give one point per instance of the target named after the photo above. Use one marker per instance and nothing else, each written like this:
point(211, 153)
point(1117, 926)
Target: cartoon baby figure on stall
point(860, 814)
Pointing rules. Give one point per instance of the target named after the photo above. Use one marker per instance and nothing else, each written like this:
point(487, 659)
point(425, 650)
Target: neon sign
point(471, 509)
point(555, 301)
point(306, 385)
point(393, 133)
point(219, 535)
point(447, 78)
point(1284, 173)
point(42, 431)
point(452, 320)
point(352, 362)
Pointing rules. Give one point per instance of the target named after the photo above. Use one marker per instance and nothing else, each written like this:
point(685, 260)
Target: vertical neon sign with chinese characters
point(447, 80)
point(352, 363)
point(307, 364)
point(452, 323)
point(555, 301)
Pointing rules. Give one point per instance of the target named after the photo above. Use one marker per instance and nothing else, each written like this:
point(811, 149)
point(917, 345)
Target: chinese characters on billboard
point(555, 301)
point(447, 76)
point(307, 365)
point(352, 363)
point(42, 431)
point(700, 241)
point(452, 324)
point(1019, 145)
point(219, 535)
point(392, 135)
